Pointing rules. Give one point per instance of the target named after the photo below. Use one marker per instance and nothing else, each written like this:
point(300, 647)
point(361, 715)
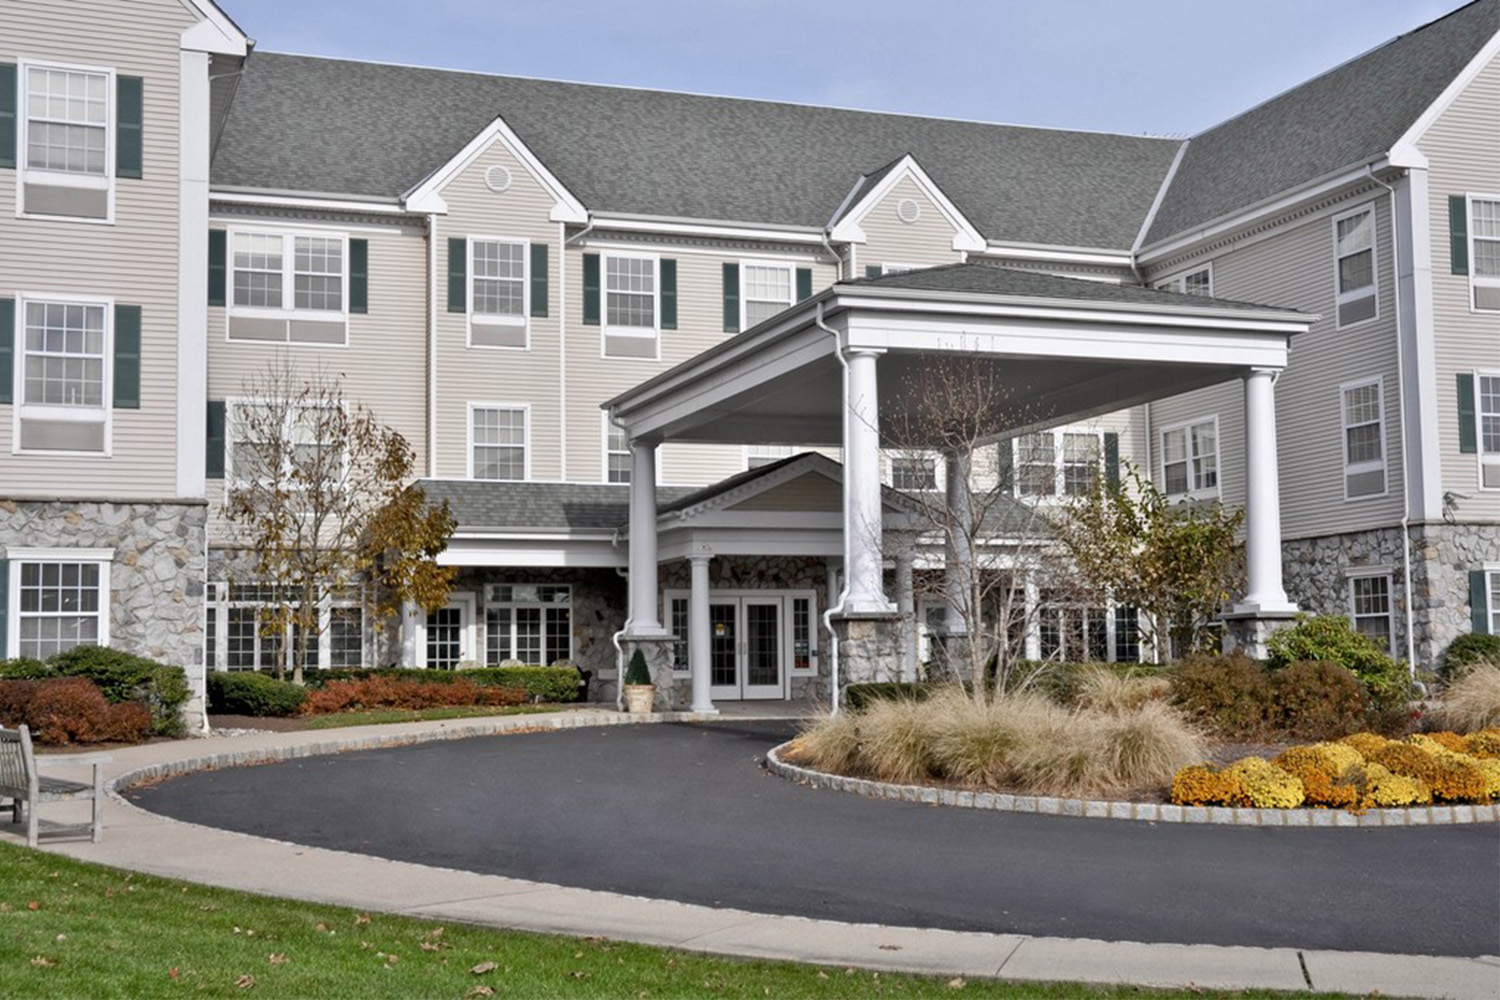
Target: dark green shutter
point(538, 279)
point(127, 357)
point(7, 117)
point(668, 294)
point(213, 454)
point(4, 603)
point(804, 283)
point(1468, 438)
point(591, 289)
point(1458, 233)
point(731, 298)
point(7, 349)
point(873, 270)
point(129, 114)
point(1005, 460)
point(1112, 459)
point(218, 259)
point(359, 276)
point(1479, 600)
point(458, 274)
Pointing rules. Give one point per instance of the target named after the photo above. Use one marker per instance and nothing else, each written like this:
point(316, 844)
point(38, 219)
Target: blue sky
point(1136, 66)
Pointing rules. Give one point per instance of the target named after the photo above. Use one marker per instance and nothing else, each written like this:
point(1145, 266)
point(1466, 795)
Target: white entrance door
point(746, 644)
point(448, 636)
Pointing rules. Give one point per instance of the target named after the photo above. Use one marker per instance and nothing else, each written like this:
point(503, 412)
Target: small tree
point(1177, 563)
point(318, 494)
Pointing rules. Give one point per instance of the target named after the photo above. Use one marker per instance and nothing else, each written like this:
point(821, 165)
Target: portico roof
point(1058, 349)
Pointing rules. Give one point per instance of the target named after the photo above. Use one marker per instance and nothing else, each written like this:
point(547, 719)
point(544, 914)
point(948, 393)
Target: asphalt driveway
point(684, 812)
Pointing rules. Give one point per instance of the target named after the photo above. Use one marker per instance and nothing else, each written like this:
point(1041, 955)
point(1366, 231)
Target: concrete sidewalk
point(144, 842)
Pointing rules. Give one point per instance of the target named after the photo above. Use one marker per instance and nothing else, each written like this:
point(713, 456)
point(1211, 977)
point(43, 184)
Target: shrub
point(253, 694)
point(1366, 744)
point(1470, 650)
point(1473, 701)
point(1205, 785)
point(1389, 791)
point(637, 672)
point(1230, 694)
point(858, 696)
point(1451, 777)
point(15, 702)
point(388, 692)
point(123, 676)
point(544, 683)
point(1332, 639)
point(1263, 785)
point(1484, 744)
point(1108, 690)
point(68, 710)
point(1440, 742)
point(126, 722)
point(1318, 700)
point(24, 669)
point(1332, 760)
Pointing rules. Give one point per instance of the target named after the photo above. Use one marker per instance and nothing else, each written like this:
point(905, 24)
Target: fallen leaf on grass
point(245, 982)
point(435, 933)
point(42, 961)
point(321, 927)
point(361, 919)
point(276, 958)
point(956, 984)
point(62, 937)
point(33, 905)
point(480, 991)
point(429, 946)
point(822, 975)
point(482, 968)
point(578, 974)
point(172, 973)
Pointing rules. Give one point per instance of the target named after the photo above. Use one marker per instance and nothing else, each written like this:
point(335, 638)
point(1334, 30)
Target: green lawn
point(380, 716)
point(73, 930)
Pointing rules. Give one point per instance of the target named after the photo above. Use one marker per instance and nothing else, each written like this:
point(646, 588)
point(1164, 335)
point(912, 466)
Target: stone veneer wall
point(1316, 574)
point(156, 581)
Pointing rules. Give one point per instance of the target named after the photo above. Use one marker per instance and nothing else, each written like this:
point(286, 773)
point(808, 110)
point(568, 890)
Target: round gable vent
point(497, 178)
point(908, 211)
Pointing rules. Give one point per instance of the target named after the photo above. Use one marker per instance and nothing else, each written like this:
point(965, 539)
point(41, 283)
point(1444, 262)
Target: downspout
point(432, 345)
point(833, 643)
point(562, 352)
point(1411, 638)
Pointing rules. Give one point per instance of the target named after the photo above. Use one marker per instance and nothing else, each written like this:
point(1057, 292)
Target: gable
point(515, 157)
point(810, 491)
point(497, 194)
point(906, 228)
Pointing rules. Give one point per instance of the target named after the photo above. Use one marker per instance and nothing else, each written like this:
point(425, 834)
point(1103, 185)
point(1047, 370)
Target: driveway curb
point(141, 841)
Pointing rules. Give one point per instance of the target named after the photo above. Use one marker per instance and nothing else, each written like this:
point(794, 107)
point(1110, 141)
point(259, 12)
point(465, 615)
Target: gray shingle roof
point(989, 279)
point(1351, 114)
point(562, 506)
point(340, 127)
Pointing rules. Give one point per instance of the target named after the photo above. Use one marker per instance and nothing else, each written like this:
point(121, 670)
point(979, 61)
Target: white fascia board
point(848, 229)
point(1057, 254)
point(554, 552)
point(321, 202)
point(1405, 152)
point(1270, 207)
point(426, 197)
point(215, 33)
point(1072, 310)
point(705, 227)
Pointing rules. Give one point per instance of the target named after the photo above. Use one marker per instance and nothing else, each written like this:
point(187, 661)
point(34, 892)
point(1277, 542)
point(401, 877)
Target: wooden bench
point(19, 780)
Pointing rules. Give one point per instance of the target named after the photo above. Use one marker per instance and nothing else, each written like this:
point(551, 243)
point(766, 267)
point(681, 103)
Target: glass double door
point(745, 646)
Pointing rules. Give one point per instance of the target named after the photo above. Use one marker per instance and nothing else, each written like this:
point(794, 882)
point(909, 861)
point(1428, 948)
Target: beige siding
point(810, 491)
point(134, 260)
point(924, 243)
point(1293, 266)
point(1463, 150)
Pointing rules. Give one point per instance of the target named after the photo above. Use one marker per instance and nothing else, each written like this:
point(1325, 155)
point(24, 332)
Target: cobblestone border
point(538, 722)
point(1149, 812)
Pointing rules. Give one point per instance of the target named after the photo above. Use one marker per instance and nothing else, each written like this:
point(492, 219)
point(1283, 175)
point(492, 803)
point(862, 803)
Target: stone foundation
point(670, 691)
point(869, 648)
point(1443, 555)
point(156, 579)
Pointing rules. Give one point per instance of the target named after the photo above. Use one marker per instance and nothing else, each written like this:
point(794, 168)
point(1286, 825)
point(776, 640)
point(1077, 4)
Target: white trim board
point(426, 196)
point(847, 229)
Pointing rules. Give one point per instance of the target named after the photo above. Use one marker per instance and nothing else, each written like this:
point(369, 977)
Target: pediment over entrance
point(810, 491)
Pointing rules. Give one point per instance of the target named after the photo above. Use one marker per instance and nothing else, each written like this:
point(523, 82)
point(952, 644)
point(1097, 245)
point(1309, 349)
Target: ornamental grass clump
point(1109, 690)
point(1145, 747)
point(973, 744)
point(1472, 702)
point(895, 740)
point(1263, 785)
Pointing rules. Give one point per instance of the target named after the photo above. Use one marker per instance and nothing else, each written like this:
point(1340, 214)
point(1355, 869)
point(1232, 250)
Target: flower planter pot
point(639, 698)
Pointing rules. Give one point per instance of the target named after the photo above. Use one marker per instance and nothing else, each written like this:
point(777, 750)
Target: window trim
point(606, 451)
point(1192, 492)
point(93, 182)
point(791, 286)
point(1474, 278)
point(219, 603)
point(485, 319)
point(640, 332)
point(287, 310)
point(525, 408)
point(482, 619)
point(1483, 458)
point(1491, 585)
point(21, 408)
point(1341, 297)
point(103, 558)
point(939, 470)
point(1353, 573)
point(1179, 278)
point(1384, 464)
point(1060, 493)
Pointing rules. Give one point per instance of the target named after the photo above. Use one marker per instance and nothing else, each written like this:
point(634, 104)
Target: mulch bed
point(275, 724)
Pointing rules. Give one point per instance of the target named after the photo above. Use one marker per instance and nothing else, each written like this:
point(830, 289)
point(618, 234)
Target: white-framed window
point(499, 292)
point(1492, 588)
point(1370, 607)
point(765, 290)
point(499, 441)
point(67, 132)
point(1190, 459)
point(1484, 253)
point(1061, 462)
point(1354, 266)
point(64, 378)
point(532, 623)
point(1363, 406)
point(268, 442)
point(59, 599)
point(630, 295)
point(616, 453)
point(244, 632)
point(1070, 629)
point(759, 455)
point(288, 287)
point(1487, 414)
point(898, 268)
point(913, 471)
point(1198, 281)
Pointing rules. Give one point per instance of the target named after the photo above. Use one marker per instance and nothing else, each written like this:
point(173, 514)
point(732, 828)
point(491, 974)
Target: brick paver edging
point(376, 741)
point(1149, 812)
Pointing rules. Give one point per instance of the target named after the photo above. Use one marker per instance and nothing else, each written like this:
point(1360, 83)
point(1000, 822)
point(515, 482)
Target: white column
point(906, 603)
point(1033, 619)
point(643, 620)
point(1264, 591)
point(958, 569)
point(698, 638)
point(410, 619)
point(863, 521)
